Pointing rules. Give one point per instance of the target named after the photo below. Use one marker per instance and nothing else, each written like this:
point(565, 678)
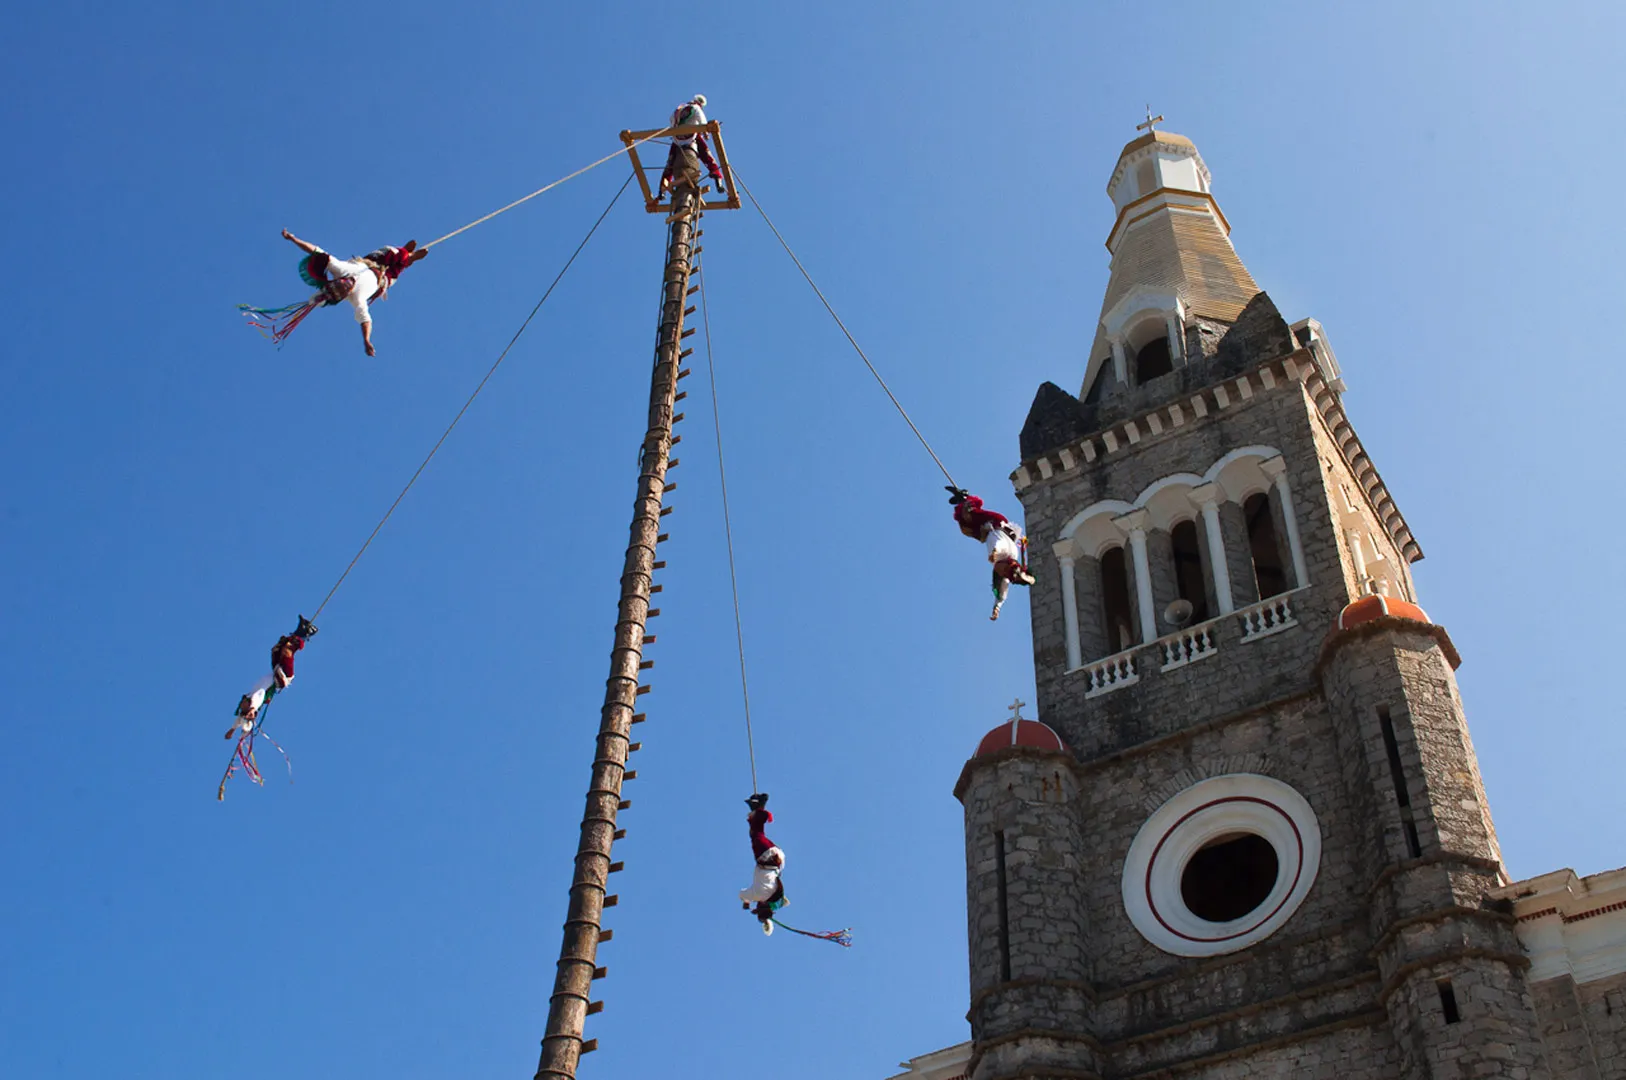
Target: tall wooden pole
point(562, 1044)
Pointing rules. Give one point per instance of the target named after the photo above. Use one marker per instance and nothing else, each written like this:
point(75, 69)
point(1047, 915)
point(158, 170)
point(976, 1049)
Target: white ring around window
point(1224, 806)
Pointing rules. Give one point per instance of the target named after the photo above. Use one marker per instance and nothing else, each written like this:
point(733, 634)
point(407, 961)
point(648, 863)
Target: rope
point(443, 436)
point(728, 530)
point(539, 191)
point(850, 339)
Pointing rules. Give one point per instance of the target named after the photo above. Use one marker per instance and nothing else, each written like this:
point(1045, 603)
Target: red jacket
point(282, 653)
point(973, 520)
point(759, 839)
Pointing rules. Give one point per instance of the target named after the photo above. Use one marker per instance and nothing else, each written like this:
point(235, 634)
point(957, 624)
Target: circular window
point(1222, 865)
point(1229, 877)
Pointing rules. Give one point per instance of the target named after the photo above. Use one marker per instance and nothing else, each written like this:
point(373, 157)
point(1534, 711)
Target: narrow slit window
point(1397, 775)
point(1004, 910)
point(1448, 1001)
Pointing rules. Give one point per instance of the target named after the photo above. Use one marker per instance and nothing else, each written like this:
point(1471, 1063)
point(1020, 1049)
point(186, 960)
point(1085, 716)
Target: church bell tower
point(1247, 836)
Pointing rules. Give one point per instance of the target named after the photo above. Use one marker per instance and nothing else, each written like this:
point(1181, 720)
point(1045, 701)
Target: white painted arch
point(1167, 500)
point(1163, 504)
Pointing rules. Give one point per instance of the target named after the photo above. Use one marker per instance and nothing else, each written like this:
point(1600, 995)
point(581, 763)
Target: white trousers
point(764, 879)
point(256, 696)
point(1001, 546)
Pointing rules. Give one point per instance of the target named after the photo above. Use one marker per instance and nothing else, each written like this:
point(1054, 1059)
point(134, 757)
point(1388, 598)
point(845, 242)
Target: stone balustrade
point(1267, 617)
point(1113, 673)
point(1192, 643)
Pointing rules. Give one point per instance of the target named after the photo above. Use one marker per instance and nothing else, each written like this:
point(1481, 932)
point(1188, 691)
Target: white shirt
point(688, 113)
point(366, 284)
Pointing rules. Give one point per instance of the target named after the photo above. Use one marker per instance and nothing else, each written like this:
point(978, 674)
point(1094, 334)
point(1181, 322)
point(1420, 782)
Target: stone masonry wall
point(1029, 999)
point(1240, 676)
point(1583, 1027)
point(1437, 934)
point(1345, 496)
point(1155, 1009)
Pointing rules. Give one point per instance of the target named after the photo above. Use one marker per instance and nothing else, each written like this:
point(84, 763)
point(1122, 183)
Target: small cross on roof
point(1016, 717)
point(1151, 121)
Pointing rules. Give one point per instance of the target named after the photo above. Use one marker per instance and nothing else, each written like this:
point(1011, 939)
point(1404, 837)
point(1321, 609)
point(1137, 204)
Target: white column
point(1208, 497)
point(1069, 604)
point(1120, 363)
point(1134, 523)
point(1276, 469)
point(1177, 337)
point(1357, 555)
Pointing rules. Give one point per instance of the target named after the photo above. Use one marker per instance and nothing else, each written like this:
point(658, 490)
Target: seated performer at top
point(766, 891)
point(1006, 544)
point(682, 162)
point(358, 281)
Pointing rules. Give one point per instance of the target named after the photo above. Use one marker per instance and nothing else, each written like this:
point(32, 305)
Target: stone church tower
point(1249, 837)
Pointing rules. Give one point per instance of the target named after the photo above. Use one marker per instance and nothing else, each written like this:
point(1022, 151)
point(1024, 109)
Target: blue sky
point(1431, 182)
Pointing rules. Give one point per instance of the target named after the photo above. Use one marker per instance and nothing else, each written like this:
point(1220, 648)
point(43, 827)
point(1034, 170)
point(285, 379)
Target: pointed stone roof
point(1169, 238)
point(1054, 419)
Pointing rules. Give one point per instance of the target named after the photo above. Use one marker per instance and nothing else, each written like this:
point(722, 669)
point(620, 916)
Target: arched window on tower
point(1269, 573)
point(1188, 569)
point(1152, 360)
point(1115, 609)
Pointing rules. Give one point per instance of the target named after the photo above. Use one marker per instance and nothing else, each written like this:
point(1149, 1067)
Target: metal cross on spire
point(1016, 710)
point(1151, 121)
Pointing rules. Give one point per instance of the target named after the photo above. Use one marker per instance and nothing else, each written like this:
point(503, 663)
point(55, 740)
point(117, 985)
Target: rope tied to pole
point(850, 339)
point(538, 191)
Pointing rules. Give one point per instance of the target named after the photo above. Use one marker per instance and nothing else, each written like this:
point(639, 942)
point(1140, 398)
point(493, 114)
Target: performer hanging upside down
point(248, 708)
point(282, 673)
point(682, 162)
point(359, 281)
point(766, 892)
point(1007, 546)
point(282, 653)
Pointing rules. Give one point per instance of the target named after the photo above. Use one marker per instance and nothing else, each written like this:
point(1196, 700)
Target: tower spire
point(1172, 262)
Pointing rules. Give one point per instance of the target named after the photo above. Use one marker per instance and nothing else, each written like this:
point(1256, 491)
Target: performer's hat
point(757, 801)
point(700, 100)
point(956, 495)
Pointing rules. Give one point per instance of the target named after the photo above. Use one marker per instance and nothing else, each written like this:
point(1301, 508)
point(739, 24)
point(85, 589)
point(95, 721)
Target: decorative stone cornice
point(1011, 753)
point(1149, 146)
point(1374, 1018)
point(1071, 985)
point(1268, 376)
point(1570, 925)
point(1337, 639)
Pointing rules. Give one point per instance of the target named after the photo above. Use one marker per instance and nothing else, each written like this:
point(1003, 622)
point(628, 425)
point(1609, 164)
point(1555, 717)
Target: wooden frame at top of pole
point(653, 201)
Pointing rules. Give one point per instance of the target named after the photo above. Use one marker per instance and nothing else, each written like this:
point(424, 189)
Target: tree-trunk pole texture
point(562, 1044)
